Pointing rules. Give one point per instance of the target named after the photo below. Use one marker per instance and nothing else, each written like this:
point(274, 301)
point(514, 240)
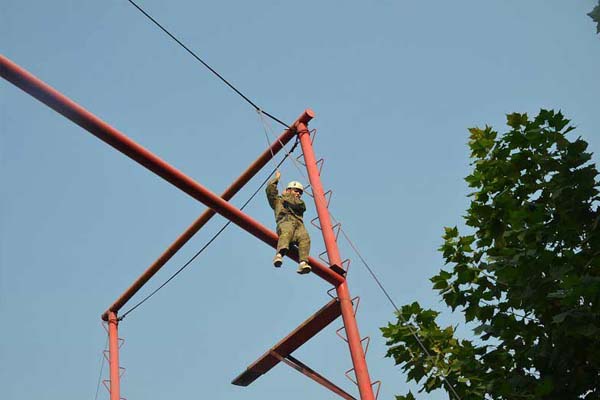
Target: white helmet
point(295, 185)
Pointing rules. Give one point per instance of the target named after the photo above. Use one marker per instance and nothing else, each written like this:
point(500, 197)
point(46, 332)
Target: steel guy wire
point(102, 362)
point(140, 9)
point(212, 239)
point(412, 330)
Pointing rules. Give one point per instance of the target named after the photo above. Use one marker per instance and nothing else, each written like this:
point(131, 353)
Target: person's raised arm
point(272, 189)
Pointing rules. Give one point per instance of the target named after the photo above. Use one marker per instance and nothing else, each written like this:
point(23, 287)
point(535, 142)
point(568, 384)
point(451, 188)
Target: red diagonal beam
point(207, 215)
point(302, 334)
point(314, 375)
point(68, 108)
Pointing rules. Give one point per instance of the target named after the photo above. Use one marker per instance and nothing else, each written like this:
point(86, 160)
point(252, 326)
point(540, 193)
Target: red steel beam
point(307, 330)
point(68, 108)
point(113, 356)
point(252, 170)
point(356, 351)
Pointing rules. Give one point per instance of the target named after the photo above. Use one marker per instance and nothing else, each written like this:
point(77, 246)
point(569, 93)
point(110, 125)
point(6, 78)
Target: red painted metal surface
point(252, 170)
point(353, 335)
point(60, 103)
point(113, 356)
point(307, 330)
point(314, 375)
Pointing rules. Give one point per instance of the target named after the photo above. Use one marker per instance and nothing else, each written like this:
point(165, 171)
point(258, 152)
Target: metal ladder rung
point(313, 135)
point(300, 159)
point(320, 162)
point(378, 383)
point(325, 260)
point(346, 264)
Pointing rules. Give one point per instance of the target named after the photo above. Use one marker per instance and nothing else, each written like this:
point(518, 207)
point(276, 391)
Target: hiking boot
point(303, 268)
point(278, 260)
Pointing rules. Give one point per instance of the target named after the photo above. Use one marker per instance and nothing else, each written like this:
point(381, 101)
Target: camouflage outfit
point(288, 215)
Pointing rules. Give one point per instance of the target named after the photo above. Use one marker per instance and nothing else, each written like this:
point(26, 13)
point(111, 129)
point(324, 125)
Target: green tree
point(595, 16)
point(527, 276)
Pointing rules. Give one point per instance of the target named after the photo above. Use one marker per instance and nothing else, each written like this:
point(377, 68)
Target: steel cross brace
point(82, 117)
point(286, 346)
point(71, 110)
point(248, 174)
point(282, 351)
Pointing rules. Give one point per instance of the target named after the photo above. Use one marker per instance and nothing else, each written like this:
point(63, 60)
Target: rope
point(369, 269)
point(269, 128)
point(387, 295)
point(411, 328)
point(102, 361)
point(212, 239)
point(140, 9)
point(266, 129)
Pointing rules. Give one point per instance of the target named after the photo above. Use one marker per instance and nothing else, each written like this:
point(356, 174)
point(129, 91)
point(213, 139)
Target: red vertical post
point(356, 351)
point(113, 356)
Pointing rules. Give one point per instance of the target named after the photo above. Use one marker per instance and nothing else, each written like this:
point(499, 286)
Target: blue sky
point(394, 85)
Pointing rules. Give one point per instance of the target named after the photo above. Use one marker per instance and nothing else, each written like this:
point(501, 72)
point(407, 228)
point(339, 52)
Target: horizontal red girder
point(302, 334)
point(68, 108)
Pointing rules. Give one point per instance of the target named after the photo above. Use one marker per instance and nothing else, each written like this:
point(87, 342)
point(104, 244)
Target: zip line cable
point(212, 239)
point(261, 113)
point(140, 9)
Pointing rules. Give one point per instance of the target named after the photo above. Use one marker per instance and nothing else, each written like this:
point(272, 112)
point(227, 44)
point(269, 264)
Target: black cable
point(206, 65)
point(211, 239)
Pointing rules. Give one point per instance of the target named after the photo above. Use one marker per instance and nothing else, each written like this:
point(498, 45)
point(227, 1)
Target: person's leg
point(285, 230)
point(301, 237)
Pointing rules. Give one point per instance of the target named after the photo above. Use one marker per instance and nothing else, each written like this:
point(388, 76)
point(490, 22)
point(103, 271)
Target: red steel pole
point(63, 105)
point(113, 356)
point(256, 166)
point(356, 350)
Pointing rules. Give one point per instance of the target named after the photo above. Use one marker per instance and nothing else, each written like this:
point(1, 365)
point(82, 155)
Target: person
point(289, 210)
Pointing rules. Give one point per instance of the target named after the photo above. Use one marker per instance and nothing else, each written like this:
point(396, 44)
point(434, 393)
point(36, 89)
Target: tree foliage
point(595, 16)
point(527, 277)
